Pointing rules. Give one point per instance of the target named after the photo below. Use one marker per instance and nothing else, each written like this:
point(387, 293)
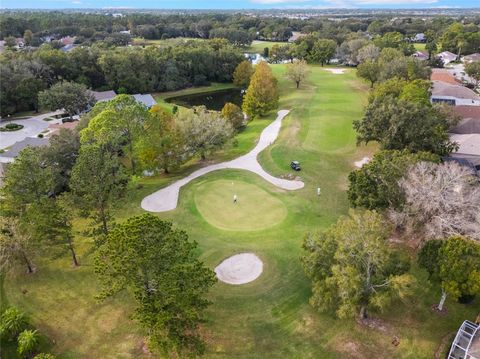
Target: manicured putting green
point(255, 208)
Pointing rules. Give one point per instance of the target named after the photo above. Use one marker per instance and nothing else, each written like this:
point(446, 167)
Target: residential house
point(466, 344)
point(67, 48)
point(443, 75)
point(471, 58)
point(9, 156)
point(420, 55)
point(146, 100)
point(446, 57)
point(467, 134)
point(420, 37)
point(295, 36)
point(67, 40)
point(103, 95)
point(56, 127)
point(454, 95)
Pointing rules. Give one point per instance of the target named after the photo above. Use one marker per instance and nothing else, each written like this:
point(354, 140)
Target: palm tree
point(28, 342)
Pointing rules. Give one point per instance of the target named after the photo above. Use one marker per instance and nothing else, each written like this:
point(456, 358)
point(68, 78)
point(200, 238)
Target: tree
point(49, 222)
point(12, 323)
point(455, 263)
point(118, 125)
point(16, 246)
point(262, 93)
point(28, 342)
point(352, 267)
point(28, 37)
point(368, 52)
point(26, 181)
point(97, 181)
point(10, 42)
point(73, 97)
point(375, 185)
point(394, 123)
point(323, 51)
point(60, 156)
point(157, 264)
point(161, 146)
point(233, 114)
point(473, 70)
point(242, 74)
point(369, 70)
point(432, 48)
point(203, 131)
point(440, 200)
point(297, 71)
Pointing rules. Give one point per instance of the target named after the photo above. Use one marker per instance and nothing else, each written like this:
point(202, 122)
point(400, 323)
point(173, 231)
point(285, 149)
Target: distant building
point(9, 156)
point(127, 32)
point(420, 37)
point(103, 95)
point(446, 57)
point(454, 95)
point(295, 36)
point(471, 58)
point(146, 100)
point(67, 48)
point(420, 55)
point(67, 40)
point(466, 344)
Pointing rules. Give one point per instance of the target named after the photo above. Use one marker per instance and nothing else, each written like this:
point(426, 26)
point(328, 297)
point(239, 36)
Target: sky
point(236, 4)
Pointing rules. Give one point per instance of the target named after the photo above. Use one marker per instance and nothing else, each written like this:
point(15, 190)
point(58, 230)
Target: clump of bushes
point(11, 127)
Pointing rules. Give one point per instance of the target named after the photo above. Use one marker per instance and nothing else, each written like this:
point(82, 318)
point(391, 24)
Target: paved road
point(166, 199)
point(31, 128)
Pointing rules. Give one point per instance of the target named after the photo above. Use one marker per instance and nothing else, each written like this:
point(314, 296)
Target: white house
point(446, 57)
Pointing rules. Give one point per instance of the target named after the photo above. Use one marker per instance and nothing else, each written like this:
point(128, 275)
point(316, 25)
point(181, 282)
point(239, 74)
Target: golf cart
point(295, 165)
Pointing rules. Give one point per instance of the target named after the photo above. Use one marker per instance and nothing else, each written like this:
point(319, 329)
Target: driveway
point(166, 199)
point(31, 128)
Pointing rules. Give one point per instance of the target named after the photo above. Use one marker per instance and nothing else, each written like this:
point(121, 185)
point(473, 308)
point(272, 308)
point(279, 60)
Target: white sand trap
point(362, 162)
point(239, 269)
point(336, 71)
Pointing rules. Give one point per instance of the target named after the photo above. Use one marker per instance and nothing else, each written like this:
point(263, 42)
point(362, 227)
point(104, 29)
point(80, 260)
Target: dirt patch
point(352, 349)
point(375, 324)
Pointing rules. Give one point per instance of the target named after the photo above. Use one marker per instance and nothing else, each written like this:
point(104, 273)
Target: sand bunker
point(336, 71)
point(362, 162)
point(239, 269)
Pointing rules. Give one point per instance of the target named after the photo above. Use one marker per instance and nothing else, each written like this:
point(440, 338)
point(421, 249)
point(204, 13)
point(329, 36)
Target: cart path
point(166, 199)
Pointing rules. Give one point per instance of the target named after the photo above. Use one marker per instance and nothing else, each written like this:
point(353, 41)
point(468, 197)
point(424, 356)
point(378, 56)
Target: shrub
point(12, 323)
point(44, 356)
point(40, 135)
point(11, 127)
point(28, 342)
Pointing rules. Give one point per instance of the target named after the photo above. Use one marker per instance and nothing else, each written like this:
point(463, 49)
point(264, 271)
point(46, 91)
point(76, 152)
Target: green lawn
point(419, 46)
point(257, 46)
point(270, 317)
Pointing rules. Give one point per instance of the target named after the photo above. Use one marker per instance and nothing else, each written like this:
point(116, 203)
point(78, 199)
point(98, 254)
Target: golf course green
point(269, 317)
point(254, 209)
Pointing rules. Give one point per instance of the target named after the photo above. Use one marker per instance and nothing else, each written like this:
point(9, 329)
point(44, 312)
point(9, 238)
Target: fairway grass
point(269, 317)
point(255, 208)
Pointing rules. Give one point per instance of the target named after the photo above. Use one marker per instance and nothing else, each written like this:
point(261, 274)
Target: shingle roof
point(20, 145)
point(468, 144)
point(470, 119)
point(147, 99)
point(472, 57)
point(103, 95)
point(444, 89)
point(444, 76)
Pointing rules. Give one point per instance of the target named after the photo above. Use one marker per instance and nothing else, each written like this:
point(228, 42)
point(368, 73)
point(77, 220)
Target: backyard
point(271, 316)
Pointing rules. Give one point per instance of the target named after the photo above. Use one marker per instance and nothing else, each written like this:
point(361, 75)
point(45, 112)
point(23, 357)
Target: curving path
point(166, 199)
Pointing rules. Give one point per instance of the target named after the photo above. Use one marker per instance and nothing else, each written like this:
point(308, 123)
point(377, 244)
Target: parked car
point(295, 165)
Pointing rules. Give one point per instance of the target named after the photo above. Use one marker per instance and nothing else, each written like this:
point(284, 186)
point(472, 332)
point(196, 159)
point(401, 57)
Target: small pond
point(211, 100)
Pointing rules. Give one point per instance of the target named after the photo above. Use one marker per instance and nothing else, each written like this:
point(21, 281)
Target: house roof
point(469, 119)
point(469, 144)
point(20, 145)
point(441, 88)
point(472, 57)
point(447, 55)
point(103, 95)
point(56, 127)
point(420, 55)
point(444, 76)
point(146, 99)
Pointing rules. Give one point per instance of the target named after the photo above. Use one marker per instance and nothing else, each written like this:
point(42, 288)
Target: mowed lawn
point(270, 317)
point(258, 46)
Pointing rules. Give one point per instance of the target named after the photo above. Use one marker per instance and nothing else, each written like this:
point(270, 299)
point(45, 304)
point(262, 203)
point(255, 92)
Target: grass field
point(270, 317)
point(258, 46)
point(419, 46)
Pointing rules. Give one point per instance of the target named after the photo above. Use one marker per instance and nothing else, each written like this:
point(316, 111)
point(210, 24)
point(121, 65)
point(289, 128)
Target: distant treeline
point(124, 69)
point(238, 28)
